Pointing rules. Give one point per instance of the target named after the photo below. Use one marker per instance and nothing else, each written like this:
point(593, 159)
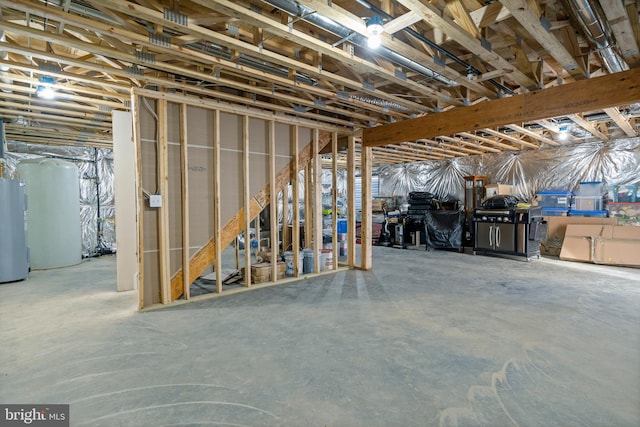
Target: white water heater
point(53, 219)
point(14, 263)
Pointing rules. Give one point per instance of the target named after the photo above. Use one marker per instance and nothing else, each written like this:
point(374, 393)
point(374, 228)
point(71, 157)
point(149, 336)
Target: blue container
point(555, 212)
point(593, 214)
point(554, 199)
point(342, 226)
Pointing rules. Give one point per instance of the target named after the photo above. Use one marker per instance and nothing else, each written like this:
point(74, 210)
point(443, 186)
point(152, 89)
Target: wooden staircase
point(206, 255)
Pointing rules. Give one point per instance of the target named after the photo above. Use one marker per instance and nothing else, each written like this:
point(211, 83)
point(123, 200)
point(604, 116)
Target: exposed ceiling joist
point(435, 17)
point(455, 67)
point(530, 20)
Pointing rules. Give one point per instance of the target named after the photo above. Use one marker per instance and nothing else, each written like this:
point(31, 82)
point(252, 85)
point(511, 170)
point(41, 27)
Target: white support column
point(124, 181)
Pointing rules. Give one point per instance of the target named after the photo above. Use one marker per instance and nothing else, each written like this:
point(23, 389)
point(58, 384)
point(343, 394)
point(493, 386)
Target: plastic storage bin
point(626, 193)
point(587, 203)
point(554, 199)
point(596, 214)
point(555, 212)
point(590, 189)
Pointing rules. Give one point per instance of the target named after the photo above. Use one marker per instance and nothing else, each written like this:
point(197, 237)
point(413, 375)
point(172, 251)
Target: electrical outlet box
point(155, 201)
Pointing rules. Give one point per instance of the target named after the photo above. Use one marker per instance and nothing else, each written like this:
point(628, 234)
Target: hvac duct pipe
point(591, 18)
point(303, 12)
point(435, 46)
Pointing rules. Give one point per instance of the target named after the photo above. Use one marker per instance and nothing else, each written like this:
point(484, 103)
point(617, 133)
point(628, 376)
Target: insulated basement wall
point(95, 166)
point(165, 132)
point(616, 162)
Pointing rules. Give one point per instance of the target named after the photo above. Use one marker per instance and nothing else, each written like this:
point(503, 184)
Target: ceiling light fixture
point(45, 88)
point(374, 31)
point(563, 135)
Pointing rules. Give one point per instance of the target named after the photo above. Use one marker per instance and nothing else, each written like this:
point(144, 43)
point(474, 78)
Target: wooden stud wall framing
point(308, 202)
point(135, 112)
point(287, 243)
point(278, 177)
point(317, 201)
point(351, 203)
point(273, 200)
point(246, 201)
point(295, 202)
point(217, 223)
point(334, 199)
point(365, 226)
point(184, 174)
point(163, 211)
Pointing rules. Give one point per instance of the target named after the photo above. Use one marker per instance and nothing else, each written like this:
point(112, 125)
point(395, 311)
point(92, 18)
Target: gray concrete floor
point(425, 339)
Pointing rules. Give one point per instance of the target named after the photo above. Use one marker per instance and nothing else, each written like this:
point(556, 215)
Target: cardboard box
point(602, 244)
point(496, 189)
point(557, 227)
point(261, 273)
point(623, 252)
point(579, 239)
point(378, 205)
point(589, 230)
point(626, 232)
point(577, 248)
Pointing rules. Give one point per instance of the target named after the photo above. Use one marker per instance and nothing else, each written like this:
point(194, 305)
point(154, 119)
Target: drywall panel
point(148, 114)
point(201, 200)
point(231, 181)
point(230, 132)
point(258, 156)
point(283, 145)
point(124, 181)
point(151, 278)
point(175, 205)
point(150, 242)
point(173, 128)
point(230, 184)
point(199, 127)
point(305, 136)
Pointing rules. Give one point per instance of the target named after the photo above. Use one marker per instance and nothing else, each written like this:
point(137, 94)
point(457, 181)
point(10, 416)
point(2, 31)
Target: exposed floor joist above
point(309, 61)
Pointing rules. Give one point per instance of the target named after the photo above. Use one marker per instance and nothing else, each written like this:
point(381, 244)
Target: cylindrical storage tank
point(53, 215)
point(14, 257)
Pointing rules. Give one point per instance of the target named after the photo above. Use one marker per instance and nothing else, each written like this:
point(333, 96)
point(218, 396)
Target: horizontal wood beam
point(584, 95)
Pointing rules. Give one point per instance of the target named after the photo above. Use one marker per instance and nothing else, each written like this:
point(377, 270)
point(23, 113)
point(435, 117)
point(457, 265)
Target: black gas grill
point(509, 231)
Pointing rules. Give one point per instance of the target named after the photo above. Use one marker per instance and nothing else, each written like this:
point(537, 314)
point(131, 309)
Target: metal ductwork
point(310, 15)
point(382, 103)
point(258, 64)
point(436, 46)
point(81, 10)
point(591, 17)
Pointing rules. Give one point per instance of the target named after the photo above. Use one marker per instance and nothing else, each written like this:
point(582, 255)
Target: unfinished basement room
point(326, 213)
